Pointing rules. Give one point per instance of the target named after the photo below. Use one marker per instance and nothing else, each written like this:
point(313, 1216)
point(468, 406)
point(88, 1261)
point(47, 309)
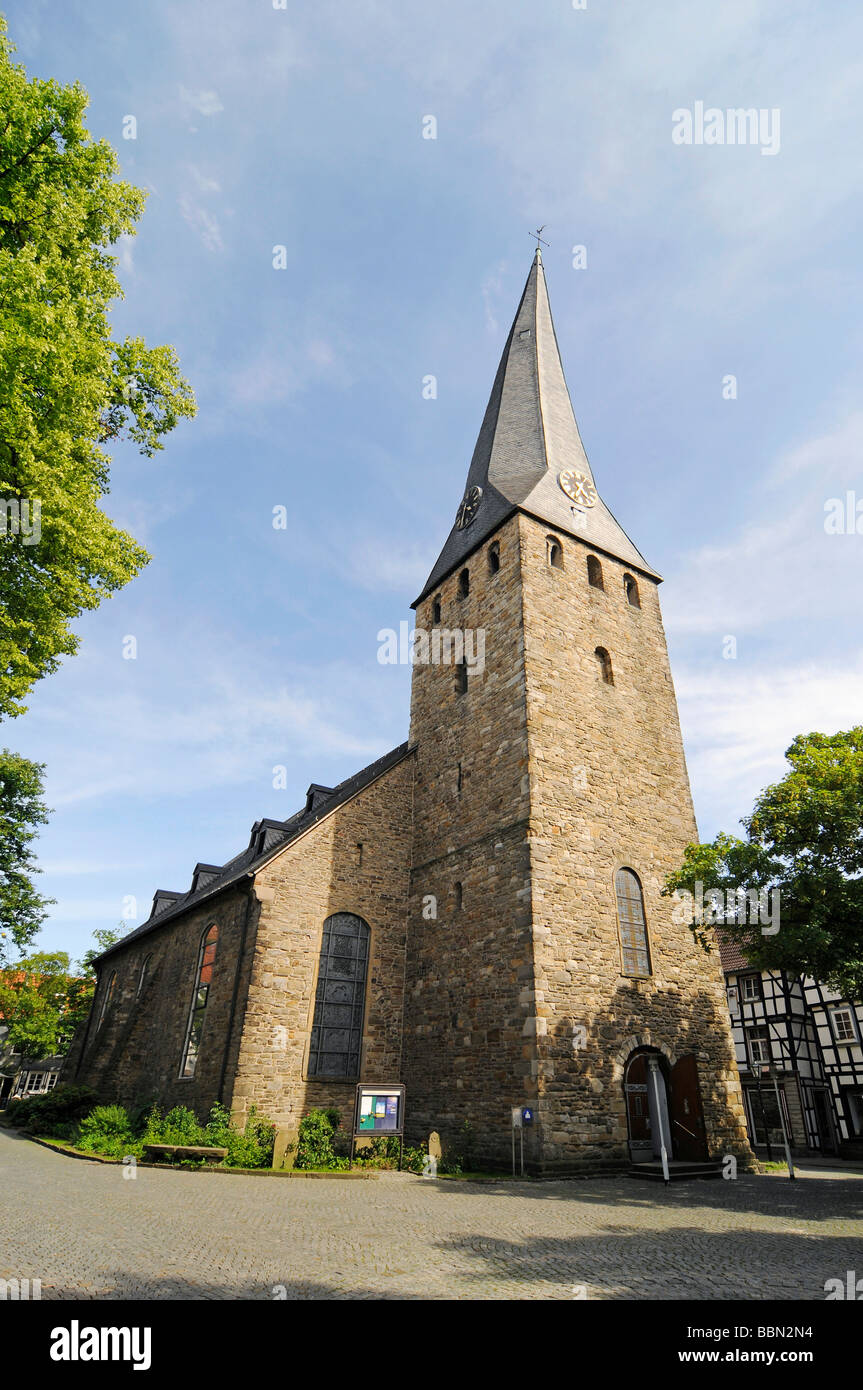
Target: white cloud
point(737, 725)
point(205, 103)
point(781, 564)
point(203, 223)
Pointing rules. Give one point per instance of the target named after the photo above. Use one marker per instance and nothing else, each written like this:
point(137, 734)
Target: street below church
point(86, 1231)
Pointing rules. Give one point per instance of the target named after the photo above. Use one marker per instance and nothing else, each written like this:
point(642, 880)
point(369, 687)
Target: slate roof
point(528, 437)
point(267, 838)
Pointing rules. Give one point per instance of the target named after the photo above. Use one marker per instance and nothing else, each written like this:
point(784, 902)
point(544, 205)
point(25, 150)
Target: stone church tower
point(551, 798)
point(478, 913)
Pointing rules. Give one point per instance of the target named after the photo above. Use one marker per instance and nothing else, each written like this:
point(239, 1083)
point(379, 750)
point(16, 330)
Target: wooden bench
point(166, 1153)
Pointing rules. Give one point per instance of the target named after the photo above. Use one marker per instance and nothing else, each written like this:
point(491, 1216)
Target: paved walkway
point(87, 1232)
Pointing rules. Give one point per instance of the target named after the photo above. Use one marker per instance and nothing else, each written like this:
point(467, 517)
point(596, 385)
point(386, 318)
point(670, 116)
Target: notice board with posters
point(380, 1110)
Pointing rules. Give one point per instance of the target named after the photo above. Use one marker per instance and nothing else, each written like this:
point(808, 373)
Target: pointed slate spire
point(528, 438)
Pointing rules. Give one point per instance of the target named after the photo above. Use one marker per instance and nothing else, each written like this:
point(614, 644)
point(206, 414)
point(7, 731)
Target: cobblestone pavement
point(87, 1232)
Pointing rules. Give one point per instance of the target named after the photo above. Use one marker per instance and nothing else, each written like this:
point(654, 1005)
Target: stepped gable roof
point(266, 839)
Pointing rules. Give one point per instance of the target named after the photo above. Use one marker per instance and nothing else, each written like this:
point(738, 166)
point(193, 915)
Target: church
point(477, 915)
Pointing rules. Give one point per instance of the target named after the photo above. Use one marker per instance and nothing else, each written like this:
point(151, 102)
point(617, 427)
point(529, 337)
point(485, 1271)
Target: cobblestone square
point(87, 1232)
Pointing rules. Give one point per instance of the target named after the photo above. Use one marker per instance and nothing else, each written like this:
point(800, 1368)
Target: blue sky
point(303, 127)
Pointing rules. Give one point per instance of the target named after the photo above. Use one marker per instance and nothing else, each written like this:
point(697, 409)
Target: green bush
point(108, 1130)
point(179, 1126)
point(250, 1147)
point(316, 1146)
point(60, 1107)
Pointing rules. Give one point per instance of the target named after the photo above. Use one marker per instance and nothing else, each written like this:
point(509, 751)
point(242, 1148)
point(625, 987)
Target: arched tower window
point(461, 677)
point(630, 588)
point(594, 573)
point(436, 611)
point(633, 927)
point(464, 584)
point(337, 1027)
point(458, 897)
point(197, 1013)
point(494, 558)
point(554, 552)
point(106, 999)
point(604, 665)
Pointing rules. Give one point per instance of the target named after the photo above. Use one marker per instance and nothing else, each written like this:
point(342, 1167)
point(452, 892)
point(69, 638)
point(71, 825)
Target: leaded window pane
point(337, 1029)
point(633, 928)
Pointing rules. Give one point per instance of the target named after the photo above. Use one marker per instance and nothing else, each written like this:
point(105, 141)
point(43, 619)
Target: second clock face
point(468, 508)
point(578, 486)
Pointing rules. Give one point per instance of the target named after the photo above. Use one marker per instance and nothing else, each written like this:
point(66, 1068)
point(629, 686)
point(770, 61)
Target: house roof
point(529, 436)
point(730, 953)
point(267, 838)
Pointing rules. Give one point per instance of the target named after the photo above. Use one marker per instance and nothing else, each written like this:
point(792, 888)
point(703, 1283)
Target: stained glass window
point(203, 981)
point(337, 1028)
point(633, 929)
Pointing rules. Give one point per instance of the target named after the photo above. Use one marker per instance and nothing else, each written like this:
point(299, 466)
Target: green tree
point(22, 811)
point(34, 1004)
point(804, 838)
point(104, 937)
point(66, 386)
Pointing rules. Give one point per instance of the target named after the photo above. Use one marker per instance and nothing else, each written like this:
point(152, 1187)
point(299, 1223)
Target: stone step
point(678, 1171)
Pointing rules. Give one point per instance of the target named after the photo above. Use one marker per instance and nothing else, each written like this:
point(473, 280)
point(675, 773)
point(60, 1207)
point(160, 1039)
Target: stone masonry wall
point(609, 788)
point(135, 1057)
point(319, 874)
point(470, 963)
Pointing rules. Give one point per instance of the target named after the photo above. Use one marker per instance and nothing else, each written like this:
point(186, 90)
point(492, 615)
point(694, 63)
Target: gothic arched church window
point(203, 980)
point(106, 999)
point(337, 1027)
point(633, 927)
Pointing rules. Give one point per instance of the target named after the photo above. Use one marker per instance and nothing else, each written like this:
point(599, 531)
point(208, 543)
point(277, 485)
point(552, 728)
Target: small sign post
point(521, 1115)
point(379, 1113)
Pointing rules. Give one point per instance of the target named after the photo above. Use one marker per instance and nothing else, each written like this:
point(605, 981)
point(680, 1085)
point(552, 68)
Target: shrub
point(315, 1148)
point(60, 1107)
point(249, 1147)
point(108, 1130)
point(179, 1126)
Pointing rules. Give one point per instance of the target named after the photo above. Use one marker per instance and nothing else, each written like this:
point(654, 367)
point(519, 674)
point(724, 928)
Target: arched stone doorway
point(663, 1106)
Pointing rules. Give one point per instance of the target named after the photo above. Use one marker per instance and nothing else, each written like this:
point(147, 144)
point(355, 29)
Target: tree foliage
point(22, 811)
point(804, 838)
point(37, 1004)
point(66, 386)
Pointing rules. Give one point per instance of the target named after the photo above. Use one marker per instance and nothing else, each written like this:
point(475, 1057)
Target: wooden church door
point(687, 1117)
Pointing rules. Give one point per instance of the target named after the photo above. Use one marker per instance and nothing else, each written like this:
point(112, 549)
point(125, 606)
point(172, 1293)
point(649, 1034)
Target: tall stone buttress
point(540, 776)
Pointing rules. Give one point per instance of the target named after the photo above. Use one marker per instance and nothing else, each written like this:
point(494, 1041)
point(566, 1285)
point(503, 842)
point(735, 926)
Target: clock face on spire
point(468, 508)
point(577, 486)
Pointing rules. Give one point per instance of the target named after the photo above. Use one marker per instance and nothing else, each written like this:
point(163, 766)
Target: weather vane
point(536, 234)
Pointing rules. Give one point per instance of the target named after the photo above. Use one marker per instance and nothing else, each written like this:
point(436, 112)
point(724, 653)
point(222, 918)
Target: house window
point(758, 1044)
point(142, 978)
point(106, 999)
point(554, 552)
point(337, 1027)
point(630, 588)
point(594, 573)
point(436, 611)
point(633, 928)
point(494, 558)
point(464, 584)
point(203, 980)
point(844, 1030)
point(604, 661)
point(751, 988)
point(732, 999)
